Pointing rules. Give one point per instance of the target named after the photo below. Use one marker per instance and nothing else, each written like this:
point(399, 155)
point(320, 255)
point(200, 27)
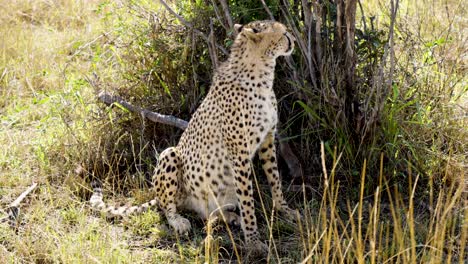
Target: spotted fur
point(209, 171)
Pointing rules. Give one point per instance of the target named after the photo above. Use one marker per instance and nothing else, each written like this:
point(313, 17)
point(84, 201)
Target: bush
point(351, 91)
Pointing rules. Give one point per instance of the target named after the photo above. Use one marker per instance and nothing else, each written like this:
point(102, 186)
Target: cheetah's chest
point(267, 109)
point(265, 113)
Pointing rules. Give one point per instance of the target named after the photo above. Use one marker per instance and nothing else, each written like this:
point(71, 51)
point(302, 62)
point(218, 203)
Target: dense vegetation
point(375, 115)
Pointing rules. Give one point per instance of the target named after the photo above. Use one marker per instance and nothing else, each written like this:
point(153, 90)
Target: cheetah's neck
point(251, 69)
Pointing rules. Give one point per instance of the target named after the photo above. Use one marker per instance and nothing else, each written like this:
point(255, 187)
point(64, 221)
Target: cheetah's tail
point(111, 211)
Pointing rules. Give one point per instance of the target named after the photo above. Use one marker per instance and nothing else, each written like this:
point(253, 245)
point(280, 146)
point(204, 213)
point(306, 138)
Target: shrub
point(347, 84)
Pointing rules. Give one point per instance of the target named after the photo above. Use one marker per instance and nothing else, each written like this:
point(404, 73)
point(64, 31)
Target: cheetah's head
point(266, 37)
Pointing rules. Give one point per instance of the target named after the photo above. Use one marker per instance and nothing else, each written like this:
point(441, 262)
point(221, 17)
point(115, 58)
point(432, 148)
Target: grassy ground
point(51, 124)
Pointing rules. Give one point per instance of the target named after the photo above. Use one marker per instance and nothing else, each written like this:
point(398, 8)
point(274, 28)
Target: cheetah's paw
point(288, 213)
point(256, 249)
point(232, 218)
point(180, 224)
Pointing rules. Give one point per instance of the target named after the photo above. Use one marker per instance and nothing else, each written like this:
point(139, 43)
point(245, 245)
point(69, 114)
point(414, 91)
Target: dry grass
point(50, 125)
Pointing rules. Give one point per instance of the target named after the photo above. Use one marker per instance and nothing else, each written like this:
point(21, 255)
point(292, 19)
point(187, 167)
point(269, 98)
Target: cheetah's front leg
point(267, 154)
point(166, 184)
point(244, 192)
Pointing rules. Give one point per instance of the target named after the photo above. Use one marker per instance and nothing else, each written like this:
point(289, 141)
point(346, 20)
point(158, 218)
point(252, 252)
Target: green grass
point(53, 131)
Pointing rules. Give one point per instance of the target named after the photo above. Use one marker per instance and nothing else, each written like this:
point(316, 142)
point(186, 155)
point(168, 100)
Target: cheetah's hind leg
point(167, 185)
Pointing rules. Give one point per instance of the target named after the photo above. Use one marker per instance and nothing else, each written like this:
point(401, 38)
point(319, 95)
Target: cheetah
point(209, 171)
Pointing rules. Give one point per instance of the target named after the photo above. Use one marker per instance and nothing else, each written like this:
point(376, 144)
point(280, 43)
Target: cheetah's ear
point(238, 28)
point(251, 33)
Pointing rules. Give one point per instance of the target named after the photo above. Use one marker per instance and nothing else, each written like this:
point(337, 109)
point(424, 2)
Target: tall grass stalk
point(383, 228)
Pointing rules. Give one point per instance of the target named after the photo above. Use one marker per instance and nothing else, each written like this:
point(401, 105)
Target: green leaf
point(164, 85)
point(311, 112)
point(121, 107)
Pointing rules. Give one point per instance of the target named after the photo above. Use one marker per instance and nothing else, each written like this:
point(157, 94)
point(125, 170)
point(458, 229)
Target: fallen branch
point(150, 115)
point(294, 166)
point(13, 209)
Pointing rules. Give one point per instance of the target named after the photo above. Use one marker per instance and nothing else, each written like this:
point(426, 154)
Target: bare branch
point(189, 25)
point(363, 17)
point(212, 47)
point(13, 209)
point(153, 116)
point(267, 10)
point(227, 14)
point(218, 16)
point(300, 42)
point(181, 19)
point(20, 198)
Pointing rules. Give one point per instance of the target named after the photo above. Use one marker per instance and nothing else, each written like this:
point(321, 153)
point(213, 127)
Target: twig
point(189, 25)
point(225, 7)
point(363, 17)
point(300, 42)
point(23, 195)
point(212, 47)
point(4, 73)
point(13, 209)
point(267, 10)
point(79, 50)
point(218, 16)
